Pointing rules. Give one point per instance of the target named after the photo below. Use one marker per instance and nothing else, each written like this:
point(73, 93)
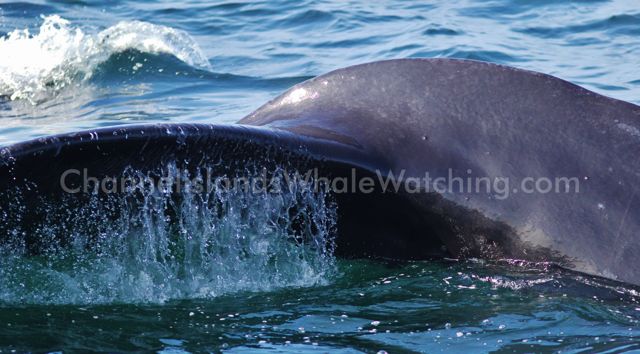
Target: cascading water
point(153, 244)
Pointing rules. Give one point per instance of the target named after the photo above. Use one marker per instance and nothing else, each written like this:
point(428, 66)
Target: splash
point(35, 66)
point(154, 245)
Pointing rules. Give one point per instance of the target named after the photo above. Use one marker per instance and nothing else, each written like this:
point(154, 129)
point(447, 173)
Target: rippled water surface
point(88, 64)
point(70, 65)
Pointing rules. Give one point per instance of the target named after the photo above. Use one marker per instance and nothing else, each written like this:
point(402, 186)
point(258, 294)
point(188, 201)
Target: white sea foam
point(35, 66)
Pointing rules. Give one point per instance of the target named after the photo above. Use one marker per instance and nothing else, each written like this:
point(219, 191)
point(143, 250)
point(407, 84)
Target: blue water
point(86, 64)
point(258, 49)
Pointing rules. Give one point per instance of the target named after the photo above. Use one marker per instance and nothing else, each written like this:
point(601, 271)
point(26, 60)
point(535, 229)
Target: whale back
point(445, 119)
point(473, 119)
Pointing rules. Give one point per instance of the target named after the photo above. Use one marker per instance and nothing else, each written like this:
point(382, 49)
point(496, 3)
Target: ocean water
point(70, 65)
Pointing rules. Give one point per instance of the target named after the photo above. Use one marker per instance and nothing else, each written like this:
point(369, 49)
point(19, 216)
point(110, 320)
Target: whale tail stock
point(407, 119)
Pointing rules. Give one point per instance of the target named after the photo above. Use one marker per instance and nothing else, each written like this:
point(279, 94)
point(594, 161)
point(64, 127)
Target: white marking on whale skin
point(533, 236)
point(609, 274)
point(297, 96)
point(635, 132)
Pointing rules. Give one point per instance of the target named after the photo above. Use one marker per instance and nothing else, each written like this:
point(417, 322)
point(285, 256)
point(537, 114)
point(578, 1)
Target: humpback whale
point(408, 118)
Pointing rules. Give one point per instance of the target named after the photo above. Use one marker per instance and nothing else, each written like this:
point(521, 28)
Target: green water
point(365, 307)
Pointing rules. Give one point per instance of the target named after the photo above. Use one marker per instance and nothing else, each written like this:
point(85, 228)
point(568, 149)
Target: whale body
point(408, 118)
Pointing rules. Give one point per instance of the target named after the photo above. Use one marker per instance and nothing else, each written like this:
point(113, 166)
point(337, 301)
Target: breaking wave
point(34, 67)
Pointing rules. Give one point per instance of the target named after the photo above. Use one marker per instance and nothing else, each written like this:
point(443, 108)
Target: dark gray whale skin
point(421, 116)
point(439, 114)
